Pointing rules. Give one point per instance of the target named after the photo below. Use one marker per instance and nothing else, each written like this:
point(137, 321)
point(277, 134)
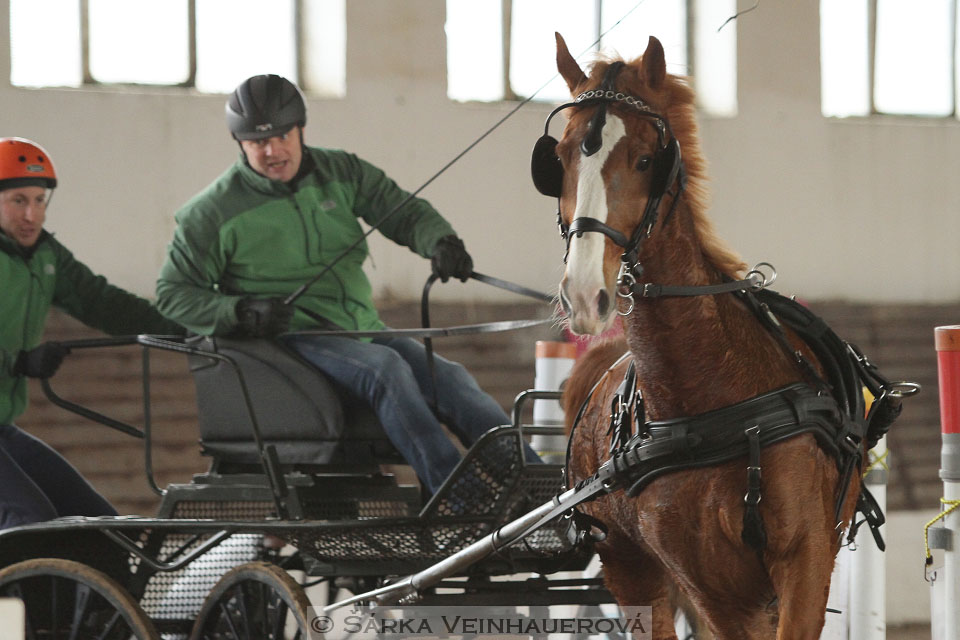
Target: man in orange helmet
point(36, 271)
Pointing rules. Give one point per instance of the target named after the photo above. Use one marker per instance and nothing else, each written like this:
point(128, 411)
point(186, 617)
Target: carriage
point(298, 485)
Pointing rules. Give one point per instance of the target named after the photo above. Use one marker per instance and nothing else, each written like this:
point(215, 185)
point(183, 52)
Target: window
point(888, 56)
point(505, 49)
point(211, 45)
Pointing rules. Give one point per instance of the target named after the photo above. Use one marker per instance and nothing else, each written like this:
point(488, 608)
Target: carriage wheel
point(67, 599)
point(254, 600)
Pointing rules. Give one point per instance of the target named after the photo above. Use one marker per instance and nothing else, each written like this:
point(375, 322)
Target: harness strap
point(717, 436)
point(754, 533)
point(652, 290)
point(622, 409)
point(581, 411)
point(769, 319)
point(849, 372)
point(872, 515)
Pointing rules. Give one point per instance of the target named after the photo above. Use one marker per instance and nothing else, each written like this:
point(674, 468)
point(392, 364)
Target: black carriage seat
point(298, 410)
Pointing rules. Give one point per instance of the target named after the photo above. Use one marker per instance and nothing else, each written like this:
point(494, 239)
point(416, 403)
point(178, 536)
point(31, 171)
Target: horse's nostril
point(603, 303)
point(564, 302)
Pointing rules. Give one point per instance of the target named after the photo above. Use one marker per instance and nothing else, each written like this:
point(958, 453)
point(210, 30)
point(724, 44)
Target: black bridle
point(667, 165)
point(547, 171)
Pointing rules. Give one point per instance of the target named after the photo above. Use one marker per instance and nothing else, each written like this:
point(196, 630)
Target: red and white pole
point(947, 341)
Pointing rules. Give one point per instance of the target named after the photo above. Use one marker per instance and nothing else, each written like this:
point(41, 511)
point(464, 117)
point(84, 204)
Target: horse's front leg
point(804, 539)
point(637, 579)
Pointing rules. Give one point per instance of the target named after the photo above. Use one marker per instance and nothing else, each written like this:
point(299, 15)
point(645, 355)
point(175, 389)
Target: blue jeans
point(37, 483)
point(391, 375)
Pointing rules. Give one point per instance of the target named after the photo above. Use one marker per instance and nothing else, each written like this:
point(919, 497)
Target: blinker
point(546, 168)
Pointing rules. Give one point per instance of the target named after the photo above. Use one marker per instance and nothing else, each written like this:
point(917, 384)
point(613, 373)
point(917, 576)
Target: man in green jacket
point(36, 271)
point(285, 213)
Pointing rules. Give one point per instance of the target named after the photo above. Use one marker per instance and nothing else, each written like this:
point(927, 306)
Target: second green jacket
point(48, 275)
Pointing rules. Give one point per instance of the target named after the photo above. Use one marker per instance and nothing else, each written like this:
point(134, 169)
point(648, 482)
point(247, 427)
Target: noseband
point(547, 169)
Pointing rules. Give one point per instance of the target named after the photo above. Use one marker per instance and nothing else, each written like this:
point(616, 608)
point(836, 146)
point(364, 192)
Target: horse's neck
point(697, 353)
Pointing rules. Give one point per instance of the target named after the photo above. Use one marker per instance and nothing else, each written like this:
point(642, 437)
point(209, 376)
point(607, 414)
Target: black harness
point(831, 408)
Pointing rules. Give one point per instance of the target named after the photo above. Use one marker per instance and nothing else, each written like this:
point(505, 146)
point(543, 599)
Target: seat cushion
point(297, 408)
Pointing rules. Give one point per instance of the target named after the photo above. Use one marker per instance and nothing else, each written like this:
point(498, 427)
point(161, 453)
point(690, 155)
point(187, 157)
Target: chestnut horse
point(630, 177)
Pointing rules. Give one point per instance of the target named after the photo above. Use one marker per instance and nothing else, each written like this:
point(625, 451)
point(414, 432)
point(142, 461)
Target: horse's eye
point(644, 163)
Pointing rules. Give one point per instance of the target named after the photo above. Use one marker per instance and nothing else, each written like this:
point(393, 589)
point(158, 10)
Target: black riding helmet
point(264, 106)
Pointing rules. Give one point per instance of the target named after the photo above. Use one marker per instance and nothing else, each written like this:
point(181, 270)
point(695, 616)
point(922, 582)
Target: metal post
point(947, 340)
point(554, 361)
point(868, 606)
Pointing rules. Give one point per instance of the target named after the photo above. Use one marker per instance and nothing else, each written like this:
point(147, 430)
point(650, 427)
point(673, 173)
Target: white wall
point(859, 209)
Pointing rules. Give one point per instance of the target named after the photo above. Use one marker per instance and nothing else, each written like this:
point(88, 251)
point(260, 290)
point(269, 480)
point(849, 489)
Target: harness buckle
point(625, 284)
point(651, 290)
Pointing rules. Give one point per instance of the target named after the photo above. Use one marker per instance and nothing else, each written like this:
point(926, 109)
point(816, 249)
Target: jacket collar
point(273, 187)
point(9, 246)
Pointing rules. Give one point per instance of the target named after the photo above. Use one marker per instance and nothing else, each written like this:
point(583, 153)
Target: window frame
point(716, 99)
point(506, 16)
point(871, 71)
point(88, 80)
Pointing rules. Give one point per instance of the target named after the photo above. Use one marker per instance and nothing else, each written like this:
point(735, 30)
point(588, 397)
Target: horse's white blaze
point(583, 279)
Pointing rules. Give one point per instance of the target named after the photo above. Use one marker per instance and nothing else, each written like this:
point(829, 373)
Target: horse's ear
point(567, 66)
point(654, 65)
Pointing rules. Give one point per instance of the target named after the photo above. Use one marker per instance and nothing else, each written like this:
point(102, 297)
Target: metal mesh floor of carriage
point(490, 487)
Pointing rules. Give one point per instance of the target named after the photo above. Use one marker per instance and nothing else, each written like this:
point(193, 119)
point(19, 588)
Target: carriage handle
point(428, 342)
point(535, 394)
point(86, 412)
point(167, 343)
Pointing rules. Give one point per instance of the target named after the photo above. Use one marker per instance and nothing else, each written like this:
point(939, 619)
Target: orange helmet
point(25, 163)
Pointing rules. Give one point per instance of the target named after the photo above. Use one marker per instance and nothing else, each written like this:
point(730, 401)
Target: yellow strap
point(953, 504)
point(875, 461)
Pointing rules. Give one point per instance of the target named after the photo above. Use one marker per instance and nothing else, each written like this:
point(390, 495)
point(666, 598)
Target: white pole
point(12, 619)
point(554, 361)
point(951, 555)
point(868, 606)
point(947, 341)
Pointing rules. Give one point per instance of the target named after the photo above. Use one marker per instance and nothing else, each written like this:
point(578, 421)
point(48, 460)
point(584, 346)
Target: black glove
point(451, 260)
point(40, 362)
point(263, 317)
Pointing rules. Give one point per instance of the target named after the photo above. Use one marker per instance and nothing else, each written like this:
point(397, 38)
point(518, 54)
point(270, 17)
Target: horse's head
point(616, 161)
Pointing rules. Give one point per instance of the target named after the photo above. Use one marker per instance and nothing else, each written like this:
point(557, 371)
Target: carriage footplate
point(491, 486)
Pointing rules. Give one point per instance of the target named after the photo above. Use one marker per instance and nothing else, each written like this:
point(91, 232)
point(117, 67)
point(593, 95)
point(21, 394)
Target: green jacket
point(248, 235)
point(49, 275)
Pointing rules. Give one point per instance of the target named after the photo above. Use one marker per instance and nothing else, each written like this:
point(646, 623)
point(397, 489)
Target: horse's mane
point(675, 100)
